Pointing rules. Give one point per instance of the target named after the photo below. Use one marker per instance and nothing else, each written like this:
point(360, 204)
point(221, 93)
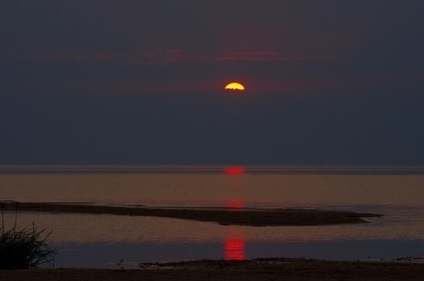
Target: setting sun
point(235, 86)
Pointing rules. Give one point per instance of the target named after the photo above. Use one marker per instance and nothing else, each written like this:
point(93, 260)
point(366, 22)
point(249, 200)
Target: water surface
point(396, 192)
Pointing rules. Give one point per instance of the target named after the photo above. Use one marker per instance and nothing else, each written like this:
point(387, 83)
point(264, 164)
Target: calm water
point(101, 241)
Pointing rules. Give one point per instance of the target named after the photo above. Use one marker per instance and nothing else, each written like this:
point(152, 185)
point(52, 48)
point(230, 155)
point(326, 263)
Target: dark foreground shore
point(267, 269)
point(252, 217)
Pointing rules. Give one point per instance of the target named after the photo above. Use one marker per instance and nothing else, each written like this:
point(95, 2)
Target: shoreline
point(260, 269)
point(246, 217)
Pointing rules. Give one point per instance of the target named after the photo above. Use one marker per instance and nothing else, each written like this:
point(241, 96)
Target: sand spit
point(250, 217)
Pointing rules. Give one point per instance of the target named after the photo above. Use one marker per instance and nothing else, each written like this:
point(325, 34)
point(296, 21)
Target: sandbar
point(223, 216)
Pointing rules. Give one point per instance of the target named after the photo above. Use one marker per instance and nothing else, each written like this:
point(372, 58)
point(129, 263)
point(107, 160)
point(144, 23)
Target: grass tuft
point(26, 248)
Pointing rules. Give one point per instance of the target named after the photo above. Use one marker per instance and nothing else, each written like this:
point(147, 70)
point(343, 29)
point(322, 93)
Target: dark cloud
point(162, 57)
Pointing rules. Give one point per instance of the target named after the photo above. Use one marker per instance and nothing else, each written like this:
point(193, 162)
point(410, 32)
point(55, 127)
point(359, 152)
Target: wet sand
point(266, 269)
point(250, 217)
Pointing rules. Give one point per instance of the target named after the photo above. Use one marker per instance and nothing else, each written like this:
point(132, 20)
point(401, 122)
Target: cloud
point(269, 56)
point(163, 57)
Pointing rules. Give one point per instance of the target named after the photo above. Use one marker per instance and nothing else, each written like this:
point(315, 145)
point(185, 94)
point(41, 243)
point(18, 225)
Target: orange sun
point(235, 86)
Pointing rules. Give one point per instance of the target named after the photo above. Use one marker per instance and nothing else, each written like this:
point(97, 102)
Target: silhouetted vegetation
point(25, 248)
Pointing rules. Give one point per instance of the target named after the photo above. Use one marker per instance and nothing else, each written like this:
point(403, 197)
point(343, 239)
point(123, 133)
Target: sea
point(111, 241)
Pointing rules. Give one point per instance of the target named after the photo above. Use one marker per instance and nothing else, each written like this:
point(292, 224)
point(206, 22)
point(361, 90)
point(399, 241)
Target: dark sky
point(328, 82)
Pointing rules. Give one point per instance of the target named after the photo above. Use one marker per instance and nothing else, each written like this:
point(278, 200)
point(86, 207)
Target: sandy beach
point(251, 217)
point(265, 269)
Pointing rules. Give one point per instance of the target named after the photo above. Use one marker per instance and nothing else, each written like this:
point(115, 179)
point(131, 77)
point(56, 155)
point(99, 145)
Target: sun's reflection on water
point(234, 248)
point(235, 205)
point(234, 244)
